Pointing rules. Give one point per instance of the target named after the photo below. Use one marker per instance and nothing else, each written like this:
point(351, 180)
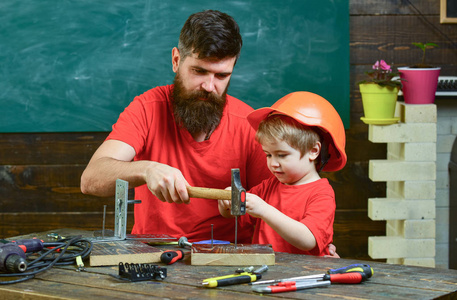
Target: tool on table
point(237, 278)
point(121, 202)
point(171, 256)
point(365, 269)
point(237, 195)
point(12, 254)
point(141, 272)
point(43, 256)
point(212, 241)
point(327, 279)
point(30, 245)
point(12, 258)
point(183, 242)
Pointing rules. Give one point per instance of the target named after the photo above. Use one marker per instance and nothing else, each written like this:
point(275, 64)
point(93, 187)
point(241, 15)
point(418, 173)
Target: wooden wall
point(40, 173)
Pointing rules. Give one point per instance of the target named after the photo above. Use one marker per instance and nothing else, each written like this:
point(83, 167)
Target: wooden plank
point(128, 251)
point(228, 255)
point(351, 227)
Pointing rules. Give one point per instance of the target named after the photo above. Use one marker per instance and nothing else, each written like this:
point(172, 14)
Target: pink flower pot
point(419, 86)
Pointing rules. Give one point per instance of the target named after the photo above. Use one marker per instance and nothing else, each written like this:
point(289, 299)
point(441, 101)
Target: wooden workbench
point(184, 281)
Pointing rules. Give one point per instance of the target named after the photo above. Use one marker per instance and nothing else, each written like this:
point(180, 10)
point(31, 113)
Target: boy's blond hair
point(278, 127)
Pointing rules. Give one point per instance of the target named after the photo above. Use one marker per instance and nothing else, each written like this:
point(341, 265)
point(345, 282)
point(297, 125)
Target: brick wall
point(410, 172)
point(447, 132)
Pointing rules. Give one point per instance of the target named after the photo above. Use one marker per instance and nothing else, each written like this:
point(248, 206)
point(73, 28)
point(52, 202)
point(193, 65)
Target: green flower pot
point(379, 102)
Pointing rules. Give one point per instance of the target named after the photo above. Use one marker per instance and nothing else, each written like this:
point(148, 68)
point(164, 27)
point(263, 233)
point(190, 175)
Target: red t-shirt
point(148, 125)
point(312, 204)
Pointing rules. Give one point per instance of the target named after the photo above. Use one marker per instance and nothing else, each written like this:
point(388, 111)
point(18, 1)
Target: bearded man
point(190, 133)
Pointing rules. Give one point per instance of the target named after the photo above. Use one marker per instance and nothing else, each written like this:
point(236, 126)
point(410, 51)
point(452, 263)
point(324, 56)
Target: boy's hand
point(255, 206)
point(332, 250)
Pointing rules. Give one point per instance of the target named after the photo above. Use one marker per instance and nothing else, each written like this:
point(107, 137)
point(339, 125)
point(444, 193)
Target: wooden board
point(128, 251)
point(228, 255)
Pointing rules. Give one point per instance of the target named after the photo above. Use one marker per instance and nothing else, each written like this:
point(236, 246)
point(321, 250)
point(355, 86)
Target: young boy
point(294, 210)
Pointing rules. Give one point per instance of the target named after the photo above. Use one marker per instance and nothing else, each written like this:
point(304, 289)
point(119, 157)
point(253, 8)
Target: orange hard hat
point(311, 110)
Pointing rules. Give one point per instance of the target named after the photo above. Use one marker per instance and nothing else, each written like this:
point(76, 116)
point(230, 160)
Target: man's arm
point(113, 160)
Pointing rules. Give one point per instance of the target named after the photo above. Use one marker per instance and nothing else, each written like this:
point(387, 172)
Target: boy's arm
point(294, 232)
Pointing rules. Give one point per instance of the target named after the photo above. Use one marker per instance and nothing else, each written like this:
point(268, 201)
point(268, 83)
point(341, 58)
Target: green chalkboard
point(75, 65)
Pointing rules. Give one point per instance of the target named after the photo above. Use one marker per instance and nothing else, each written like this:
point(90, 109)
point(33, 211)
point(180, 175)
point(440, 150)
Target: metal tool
point(326, 279)
point(237, 195)
point(365, 269)
point(140, 272)
point(12, 254)
point(183, 242)
point(121, 202)
point(289, 286)
point(12, 258)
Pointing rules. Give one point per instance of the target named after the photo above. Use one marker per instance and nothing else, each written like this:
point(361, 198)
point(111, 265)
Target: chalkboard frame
point(448, 13)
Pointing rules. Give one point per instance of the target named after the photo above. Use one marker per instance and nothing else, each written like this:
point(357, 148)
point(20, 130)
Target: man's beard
point(195, 114)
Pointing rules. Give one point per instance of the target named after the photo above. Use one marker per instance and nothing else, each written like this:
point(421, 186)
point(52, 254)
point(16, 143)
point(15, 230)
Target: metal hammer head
point(238, 195)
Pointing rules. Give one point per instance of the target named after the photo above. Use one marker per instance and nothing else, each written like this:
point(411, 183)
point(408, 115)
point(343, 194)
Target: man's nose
point(208, 83)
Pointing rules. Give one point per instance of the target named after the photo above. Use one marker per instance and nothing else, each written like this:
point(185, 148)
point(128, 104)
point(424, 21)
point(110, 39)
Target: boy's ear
point(315, 151)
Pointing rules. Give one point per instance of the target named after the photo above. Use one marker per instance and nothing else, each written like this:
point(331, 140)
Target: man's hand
point(167, 183)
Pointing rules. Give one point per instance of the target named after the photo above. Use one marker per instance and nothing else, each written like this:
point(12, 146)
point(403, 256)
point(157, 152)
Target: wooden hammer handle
point(207, 193)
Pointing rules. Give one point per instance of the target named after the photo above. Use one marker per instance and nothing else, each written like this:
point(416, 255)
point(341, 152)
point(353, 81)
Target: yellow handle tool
point(244, 277)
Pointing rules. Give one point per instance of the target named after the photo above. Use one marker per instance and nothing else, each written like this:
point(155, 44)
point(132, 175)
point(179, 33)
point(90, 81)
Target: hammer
point(237, 196)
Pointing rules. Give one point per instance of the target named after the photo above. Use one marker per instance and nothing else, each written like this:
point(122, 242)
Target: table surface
point(184, 281)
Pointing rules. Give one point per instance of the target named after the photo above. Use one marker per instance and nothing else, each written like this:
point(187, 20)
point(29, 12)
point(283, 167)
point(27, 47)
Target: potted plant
point(420, 80)
point(379, 94)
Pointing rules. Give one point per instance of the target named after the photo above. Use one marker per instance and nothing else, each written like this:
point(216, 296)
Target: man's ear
point(175, 59)
point(315, 151)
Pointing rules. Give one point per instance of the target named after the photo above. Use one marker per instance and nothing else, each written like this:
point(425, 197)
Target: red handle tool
point(171, 256)
point(327, 279)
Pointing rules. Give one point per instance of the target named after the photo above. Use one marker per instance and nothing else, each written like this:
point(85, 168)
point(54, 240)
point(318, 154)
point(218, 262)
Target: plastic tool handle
point(363, 268)
point(352, 277)
point(244, 277)
point(170, 256)
point(30, 245)
point(234, 280)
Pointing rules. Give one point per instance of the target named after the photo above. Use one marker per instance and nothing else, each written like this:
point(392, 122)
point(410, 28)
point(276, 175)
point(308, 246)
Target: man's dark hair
point(210, 34)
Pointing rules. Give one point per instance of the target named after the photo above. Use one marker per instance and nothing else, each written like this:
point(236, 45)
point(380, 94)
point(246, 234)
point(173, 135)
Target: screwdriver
point(326, 279)
point(170, 256)
point(240, 278)
point(361, 268)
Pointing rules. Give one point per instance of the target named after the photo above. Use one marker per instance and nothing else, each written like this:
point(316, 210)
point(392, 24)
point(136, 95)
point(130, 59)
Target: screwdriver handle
point(244, 277)
point(362, 268)
point(351, 277)
point(170, 256)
